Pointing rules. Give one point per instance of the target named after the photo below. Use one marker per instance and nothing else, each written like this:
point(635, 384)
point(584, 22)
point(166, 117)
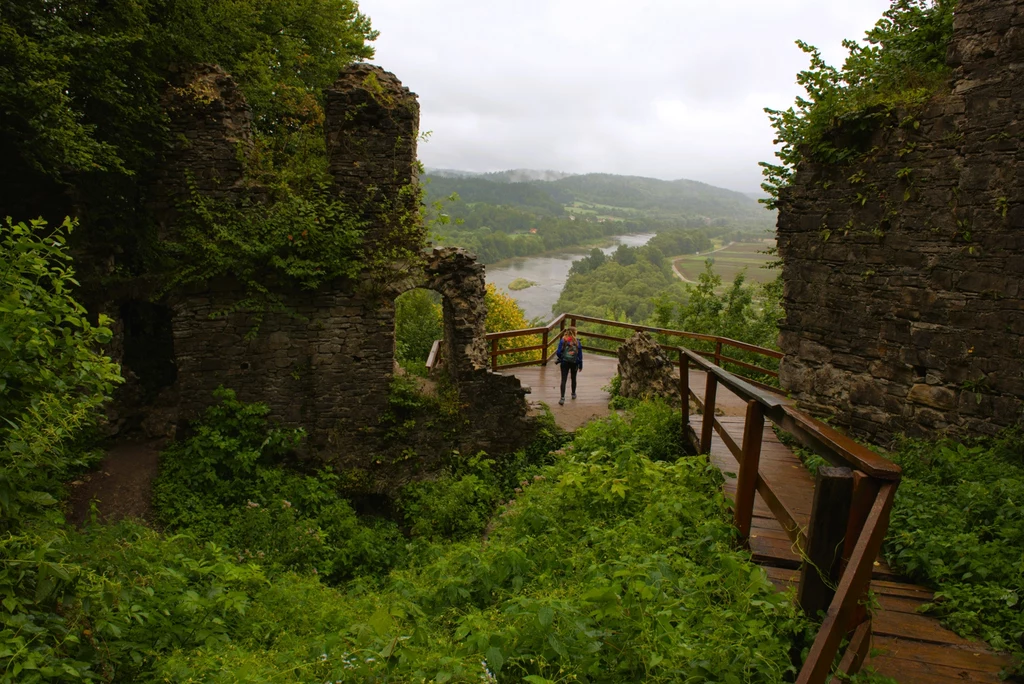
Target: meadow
point(729, 262)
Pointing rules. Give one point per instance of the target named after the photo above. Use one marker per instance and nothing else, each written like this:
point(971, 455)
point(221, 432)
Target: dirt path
point(122, 485)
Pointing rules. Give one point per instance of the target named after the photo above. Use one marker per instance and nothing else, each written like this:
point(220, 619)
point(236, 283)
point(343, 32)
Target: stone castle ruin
point(325, 361)
point(904, 272)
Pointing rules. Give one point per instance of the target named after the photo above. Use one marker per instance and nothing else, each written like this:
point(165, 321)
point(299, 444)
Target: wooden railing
point(852, 499)
point(551, 333)
point(849, 515)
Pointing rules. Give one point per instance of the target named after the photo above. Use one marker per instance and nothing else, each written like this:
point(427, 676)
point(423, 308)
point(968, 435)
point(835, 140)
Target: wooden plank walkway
point(591, 397)
point(909, 647)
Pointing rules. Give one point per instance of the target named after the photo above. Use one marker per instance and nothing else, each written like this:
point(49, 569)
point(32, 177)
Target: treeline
point(649, 197)
point(495, 232)
point(636, 284)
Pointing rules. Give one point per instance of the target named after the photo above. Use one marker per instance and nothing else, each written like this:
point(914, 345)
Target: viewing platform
point(820, 536)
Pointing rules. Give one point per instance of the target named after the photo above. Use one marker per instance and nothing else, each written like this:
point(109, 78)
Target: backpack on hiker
point(570, 352)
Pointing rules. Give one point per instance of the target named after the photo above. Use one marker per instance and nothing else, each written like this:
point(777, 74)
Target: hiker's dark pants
point(566, 368)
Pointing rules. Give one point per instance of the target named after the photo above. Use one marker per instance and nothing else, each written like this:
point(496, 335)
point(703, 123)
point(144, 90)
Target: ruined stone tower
point(905, 309)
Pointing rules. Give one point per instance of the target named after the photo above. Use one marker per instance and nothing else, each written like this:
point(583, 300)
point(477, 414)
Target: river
point(549, 271)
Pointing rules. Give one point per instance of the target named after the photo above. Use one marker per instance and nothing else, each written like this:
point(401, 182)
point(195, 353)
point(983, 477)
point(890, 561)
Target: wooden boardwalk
point(591, 396)
point(909, 647)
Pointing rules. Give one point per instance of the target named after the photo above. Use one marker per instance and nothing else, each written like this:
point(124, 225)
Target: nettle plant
point(53, 374)
point(899, 66)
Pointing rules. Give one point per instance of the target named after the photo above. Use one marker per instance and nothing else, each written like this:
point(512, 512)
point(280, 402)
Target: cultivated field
point(729, 261)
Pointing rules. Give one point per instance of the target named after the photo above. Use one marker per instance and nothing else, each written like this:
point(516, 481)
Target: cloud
point(662, 88)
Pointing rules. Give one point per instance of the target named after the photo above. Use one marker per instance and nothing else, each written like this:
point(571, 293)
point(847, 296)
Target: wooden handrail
point(852, 585)
point(867, 512)
point(560, 321)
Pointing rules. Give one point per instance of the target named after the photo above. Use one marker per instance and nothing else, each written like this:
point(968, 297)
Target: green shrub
point(902, 64)
point(455, 505)
point(53, 378)
point(652, 427)
point(958, 525)
point(606, 567)
point(229, 482)
point(104, 605)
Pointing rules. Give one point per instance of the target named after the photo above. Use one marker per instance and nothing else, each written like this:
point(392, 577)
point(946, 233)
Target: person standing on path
point(570, 358)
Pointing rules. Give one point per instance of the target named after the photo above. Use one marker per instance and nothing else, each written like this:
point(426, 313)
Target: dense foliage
point(225, 484)
point(603, 566)
point(53, 375)
point(81, 91)
point(958, 525)
point(82, 80)
point(902, 63)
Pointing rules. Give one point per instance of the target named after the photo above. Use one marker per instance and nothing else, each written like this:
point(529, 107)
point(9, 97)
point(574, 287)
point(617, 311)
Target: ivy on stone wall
point(901, 64)
point(295, 241)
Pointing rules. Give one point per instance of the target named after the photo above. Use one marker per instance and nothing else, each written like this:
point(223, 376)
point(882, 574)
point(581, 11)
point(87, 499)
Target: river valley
point(549, 271)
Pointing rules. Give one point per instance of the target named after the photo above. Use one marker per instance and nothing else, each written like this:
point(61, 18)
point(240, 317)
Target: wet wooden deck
point(909, 647)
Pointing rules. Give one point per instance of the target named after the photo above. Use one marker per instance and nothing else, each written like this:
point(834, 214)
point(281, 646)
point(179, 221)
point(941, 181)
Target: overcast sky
point(663, 88)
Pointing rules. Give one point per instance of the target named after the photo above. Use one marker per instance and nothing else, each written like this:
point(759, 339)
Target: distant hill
point(477, 190)
point(658, 197)
point(554, 193)
point(450, 173)
point(524, 176)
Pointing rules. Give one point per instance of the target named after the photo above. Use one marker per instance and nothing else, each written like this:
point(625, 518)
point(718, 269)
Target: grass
point(729, 262)
point(520, 284)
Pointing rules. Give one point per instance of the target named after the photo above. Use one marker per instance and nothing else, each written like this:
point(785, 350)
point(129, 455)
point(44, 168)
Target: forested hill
point(599, 194)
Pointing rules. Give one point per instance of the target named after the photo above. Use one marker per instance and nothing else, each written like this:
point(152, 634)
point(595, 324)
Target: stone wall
point(208, 122)
point(323, 364)
point(903, 272)
point(325, 360)
point(372, 125)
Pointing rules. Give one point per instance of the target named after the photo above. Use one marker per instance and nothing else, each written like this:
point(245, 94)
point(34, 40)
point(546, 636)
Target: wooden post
point(707, 424)
point(494, 353)
point(830, 515)
point(684, 388)
point(865, 489)
point(718, 353)
point(746, 483)
point(544, 351)
point(854, 583)
point(858, 649)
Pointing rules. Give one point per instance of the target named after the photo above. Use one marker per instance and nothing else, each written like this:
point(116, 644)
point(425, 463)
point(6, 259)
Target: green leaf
point(545, 615)
point(37, 498)
point(495, 659)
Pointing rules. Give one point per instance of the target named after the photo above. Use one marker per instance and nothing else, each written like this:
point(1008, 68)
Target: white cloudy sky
point(662, 88)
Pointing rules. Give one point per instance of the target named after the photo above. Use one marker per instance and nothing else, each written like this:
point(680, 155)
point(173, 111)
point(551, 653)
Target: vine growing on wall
point(900, 65)
point(298, 240)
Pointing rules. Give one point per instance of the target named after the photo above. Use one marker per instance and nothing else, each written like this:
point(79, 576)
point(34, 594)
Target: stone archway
point(459, 278)
point(494, 404)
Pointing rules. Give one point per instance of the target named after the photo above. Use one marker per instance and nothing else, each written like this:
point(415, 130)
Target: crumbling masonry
point(904, 273)
point(325, 362)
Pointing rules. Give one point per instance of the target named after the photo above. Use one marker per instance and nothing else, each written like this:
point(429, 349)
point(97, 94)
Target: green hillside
point(601, 195)
point(659, 198)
